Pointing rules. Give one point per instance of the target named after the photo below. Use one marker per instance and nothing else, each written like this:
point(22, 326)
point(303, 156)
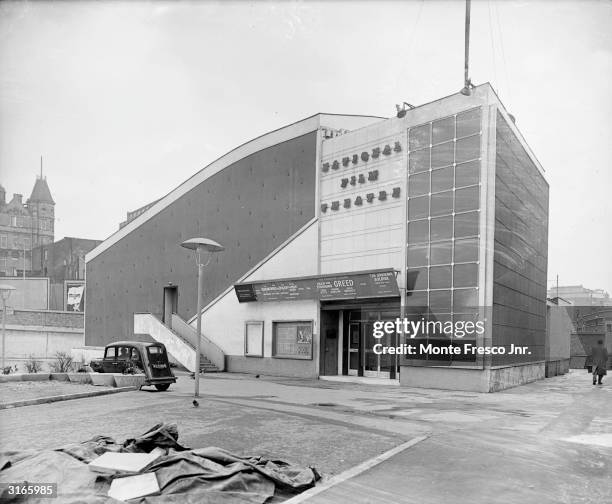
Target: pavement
point(18, 391)
point(545, 442)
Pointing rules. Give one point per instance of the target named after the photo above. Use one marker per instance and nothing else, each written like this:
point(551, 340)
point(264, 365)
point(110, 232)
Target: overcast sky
point(125, 100)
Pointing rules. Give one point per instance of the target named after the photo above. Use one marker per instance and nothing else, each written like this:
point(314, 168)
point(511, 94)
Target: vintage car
point(133, 357)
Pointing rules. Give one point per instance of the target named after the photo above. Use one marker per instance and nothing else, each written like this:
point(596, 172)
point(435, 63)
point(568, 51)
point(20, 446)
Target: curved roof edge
point(274, 137)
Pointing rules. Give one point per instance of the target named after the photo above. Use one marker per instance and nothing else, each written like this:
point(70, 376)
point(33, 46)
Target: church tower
point(42, 209)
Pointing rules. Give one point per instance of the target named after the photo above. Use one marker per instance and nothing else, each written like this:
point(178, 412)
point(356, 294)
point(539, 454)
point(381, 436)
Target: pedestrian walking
point(600, 362)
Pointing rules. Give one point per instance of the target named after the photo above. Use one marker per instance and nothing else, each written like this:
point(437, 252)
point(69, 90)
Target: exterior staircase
point(180, 342)
point(206, 366)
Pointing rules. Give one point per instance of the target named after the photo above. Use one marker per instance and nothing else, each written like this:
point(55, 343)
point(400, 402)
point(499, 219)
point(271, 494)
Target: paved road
point(547, 442)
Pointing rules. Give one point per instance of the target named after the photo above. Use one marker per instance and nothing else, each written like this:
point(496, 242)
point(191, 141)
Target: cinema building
point(331, 224)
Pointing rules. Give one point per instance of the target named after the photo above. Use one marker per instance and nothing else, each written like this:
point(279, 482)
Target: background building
point(24, 226)
point(334, 223)
point(581, 296)
point(63, 263)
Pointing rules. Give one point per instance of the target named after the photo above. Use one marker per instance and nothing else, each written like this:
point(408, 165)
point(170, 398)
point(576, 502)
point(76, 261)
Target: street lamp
point(204, 249)
point(5, 292)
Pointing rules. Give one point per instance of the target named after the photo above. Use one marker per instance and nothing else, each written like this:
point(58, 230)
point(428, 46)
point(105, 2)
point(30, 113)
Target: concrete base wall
point(557, 367)
point(274, 367)
point(40, 343)
point(472, 380)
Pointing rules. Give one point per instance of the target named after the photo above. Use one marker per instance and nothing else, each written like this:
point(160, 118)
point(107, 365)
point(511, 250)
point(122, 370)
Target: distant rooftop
point(41, 192)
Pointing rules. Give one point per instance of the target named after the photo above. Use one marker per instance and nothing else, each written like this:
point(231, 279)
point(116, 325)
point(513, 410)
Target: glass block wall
point(443, 217)
point(520, 249)
point(443, 212)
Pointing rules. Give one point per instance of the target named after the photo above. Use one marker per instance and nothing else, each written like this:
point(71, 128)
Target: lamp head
point(401, 110)
point(203, 244)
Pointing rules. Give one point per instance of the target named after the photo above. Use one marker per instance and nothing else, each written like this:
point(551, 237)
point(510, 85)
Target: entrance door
point(329, 343)
point(170, 304)
point(354, 345)
point(362, 361)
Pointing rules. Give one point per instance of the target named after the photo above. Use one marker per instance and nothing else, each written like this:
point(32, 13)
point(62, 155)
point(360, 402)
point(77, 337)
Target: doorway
point(347, 339)
point(359, 350)
point(170, 304)
point(329, 343)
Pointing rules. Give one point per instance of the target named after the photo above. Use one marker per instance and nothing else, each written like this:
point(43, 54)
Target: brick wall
point(45, 318)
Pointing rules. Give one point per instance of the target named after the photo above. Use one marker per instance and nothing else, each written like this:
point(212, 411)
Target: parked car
point(134, 357)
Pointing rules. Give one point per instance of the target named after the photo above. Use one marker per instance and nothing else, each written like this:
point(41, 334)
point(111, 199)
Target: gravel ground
point(22, 391)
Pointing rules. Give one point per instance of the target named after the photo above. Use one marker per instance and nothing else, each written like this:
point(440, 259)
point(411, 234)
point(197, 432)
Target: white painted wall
point(223, 322)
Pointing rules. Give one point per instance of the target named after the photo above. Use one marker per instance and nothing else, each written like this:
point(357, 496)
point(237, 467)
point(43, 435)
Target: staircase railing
point(181, 350)
point(208, 348)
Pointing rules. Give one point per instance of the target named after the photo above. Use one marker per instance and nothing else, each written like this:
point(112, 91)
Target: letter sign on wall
point(366, 284)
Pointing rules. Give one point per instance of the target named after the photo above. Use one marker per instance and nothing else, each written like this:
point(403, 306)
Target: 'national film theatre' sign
point(366, 284)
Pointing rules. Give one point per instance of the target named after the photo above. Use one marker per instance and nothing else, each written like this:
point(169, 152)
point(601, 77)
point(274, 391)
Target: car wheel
point(162, 386)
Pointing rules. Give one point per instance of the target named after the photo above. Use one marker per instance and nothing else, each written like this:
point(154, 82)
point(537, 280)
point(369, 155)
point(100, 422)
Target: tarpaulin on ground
point(204, 476)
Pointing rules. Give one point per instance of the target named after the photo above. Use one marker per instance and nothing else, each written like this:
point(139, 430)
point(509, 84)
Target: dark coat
point(600, 359)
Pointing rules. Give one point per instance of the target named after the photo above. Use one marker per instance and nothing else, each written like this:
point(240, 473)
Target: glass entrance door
point(362, 361)
point(354, 343)
point(374, 364)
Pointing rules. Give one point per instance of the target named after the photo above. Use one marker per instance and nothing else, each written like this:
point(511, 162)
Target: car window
point(124, 353)
point(155, 350)
point(110, 353)
point(135, 354)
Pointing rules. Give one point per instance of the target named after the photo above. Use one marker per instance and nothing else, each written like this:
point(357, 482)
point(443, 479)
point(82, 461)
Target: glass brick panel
point(442, 155)
point(418, 161)
point(416, 279)
point(442, 228)
point(443, 130)
point(418, 255)
point(464, 298)
point(467, 199)
point(467, 149)
point(466, 250)
point(416, 298)
point(467, 174)
point(420, 137)
point(465, 275)
point(440, 277)
point(418, 207)
point(440, 301)
point(441, 252)
point(468, 123)
point(442, 179)
point(418, 231)
point(418, 184)
point(466, 224)
point(442, 203)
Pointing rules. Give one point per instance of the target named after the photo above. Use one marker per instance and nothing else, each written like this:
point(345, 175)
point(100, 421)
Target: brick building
point(24, 226)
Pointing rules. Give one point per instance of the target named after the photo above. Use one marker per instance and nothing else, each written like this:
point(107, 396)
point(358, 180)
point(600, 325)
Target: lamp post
point(5, 292)
point(204, 249)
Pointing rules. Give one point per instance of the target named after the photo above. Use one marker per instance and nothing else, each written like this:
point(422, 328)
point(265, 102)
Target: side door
point(109, 363)
point(124, 354)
